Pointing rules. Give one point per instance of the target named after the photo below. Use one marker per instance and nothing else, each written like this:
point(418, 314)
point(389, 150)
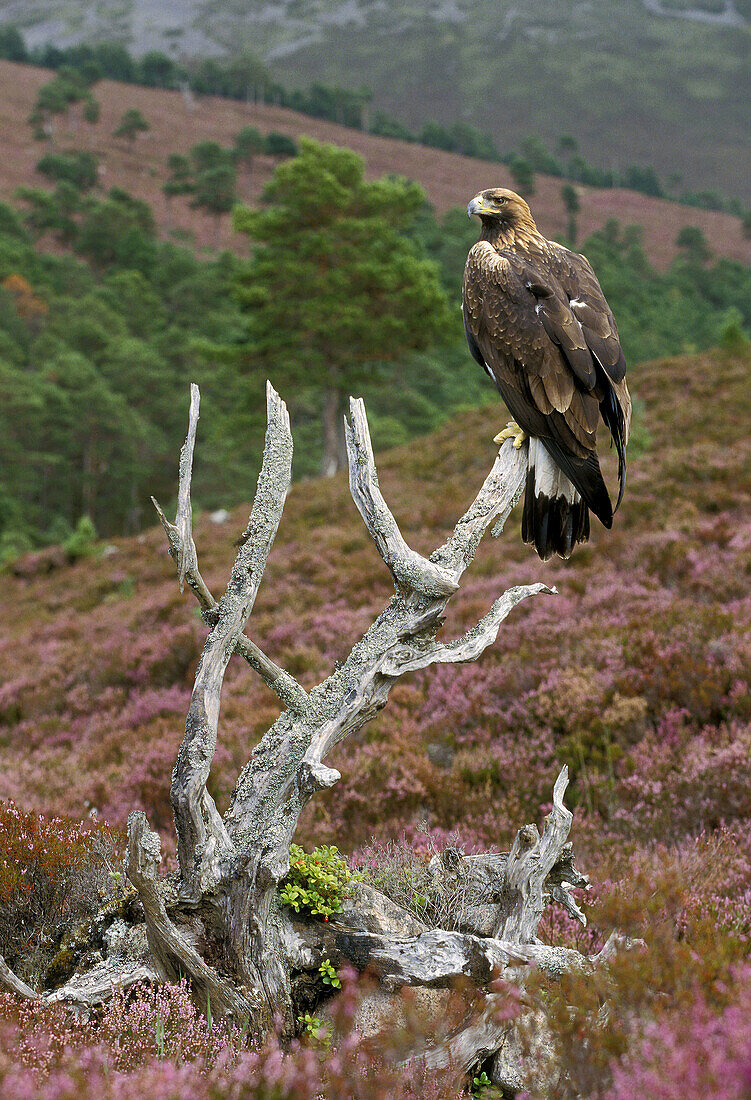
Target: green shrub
point(82, 543)
point(318, 882)
point(329, 975)
point(12, 545)
point(279, 145)
point(78, 168)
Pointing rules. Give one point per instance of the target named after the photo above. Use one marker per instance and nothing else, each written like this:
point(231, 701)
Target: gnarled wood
point(187, 558)
point(280, 681)
point(410, 657)
point(435, 958)
point(408, 568)
point(85, 992)
point(203, 843)
point(11, 983)
point(530, 861)
point(173, 956)
point(234, 865)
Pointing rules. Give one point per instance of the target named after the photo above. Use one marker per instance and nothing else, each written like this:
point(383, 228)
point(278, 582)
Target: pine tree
point(336, 289)
point(131, 125)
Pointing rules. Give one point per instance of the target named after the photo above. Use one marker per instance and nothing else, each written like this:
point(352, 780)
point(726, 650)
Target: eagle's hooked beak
point(475, 207)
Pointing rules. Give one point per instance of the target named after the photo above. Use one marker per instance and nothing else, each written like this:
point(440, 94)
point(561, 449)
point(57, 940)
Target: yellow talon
point(511, 431)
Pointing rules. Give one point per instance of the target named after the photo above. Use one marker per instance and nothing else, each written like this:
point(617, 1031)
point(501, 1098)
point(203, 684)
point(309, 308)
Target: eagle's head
point(499, 205)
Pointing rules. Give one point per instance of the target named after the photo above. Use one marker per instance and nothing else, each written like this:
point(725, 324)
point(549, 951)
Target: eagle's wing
point(522, 324)
point(590, 308)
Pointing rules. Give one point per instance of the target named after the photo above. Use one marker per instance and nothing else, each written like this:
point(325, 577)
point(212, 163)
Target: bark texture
point(226, 904)
point(231, 866)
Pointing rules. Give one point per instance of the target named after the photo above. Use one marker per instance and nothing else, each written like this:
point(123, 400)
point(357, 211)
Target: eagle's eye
point(501, 200)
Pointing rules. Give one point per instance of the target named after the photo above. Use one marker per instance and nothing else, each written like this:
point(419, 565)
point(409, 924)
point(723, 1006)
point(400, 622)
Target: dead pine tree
point(222, 924)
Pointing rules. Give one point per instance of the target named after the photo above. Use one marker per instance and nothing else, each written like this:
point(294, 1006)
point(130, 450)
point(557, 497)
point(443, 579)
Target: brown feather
point(537, 319)
point(559, 388)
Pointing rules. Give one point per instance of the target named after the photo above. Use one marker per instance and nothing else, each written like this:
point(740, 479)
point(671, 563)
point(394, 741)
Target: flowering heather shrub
point(700, 1053)
point(636, 676)
point(683, 958)
point(53, 874)
point(155, 1044)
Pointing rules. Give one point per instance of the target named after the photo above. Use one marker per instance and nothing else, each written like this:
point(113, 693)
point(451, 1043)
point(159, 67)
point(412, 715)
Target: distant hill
point(662, 82)
point(178, 121)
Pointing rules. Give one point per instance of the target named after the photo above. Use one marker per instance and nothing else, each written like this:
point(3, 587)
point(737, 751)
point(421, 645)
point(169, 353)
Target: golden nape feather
point(537, 321)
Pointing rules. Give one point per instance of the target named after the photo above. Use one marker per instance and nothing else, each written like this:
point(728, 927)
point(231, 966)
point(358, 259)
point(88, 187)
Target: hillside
point(636, 676)
point(644, 655)
point(177, 122)
point(662, 82)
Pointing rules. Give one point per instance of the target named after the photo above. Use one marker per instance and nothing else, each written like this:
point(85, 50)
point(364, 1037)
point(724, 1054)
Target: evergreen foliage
point(335, 288)
point(131, 125)
point(78, 168)
point(95, 357)
point(279, 145)
point(523, 175)
point(571, 202)
point(248, 142)
point(208, 173)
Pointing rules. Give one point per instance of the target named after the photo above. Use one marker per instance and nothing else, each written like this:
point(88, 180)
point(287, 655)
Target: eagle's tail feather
point(586, 476)
point(555, 518)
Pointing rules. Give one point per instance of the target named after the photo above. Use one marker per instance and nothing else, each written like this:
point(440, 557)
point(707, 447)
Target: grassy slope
point(449, 180)
point(632, 85)
point(638, 666)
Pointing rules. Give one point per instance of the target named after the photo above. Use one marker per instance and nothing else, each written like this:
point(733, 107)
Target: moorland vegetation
point(636, 676)
point(247, 79)
point(662, 84)
point(100, 336)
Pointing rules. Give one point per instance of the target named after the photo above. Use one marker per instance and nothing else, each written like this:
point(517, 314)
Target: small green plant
point(482, 1087)
point(314, 1030)
point(317, 882)
point(160, 1038)
point(82, 543)
point(329, 974)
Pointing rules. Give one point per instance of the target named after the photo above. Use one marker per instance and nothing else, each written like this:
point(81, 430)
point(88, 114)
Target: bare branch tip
point(276, 409)
point(561, 784)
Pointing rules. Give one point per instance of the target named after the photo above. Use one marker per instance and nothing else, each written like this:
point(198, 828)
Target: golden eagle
point(536, 319)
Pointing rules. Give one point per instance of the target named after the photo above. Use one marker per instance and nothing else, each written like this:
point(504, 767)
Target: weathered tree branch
point(280, 778)
point(435, 958)
point(409, 569)
point(498, 494)
point(85, 992)
point(285, 686)
point(409, 658)
point(530, 861)
point(202, 838)
point(239, 861)
point(187, 558)
point(172, 953)
point(11, 983)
